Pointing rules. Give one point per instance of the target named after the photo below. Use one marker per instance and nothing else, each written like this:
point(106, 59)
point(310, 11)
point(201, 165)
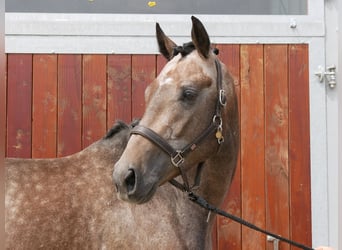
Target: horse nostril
point(130, 180)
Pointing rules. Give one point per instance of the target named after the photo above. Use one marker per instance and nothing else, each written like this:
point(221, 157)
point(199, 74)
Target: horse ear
point(166, 45)
point(200, 37)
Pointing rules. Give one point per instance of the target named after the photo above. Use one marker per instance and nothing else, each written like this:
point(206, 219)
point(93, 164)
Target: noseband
point(177, 156)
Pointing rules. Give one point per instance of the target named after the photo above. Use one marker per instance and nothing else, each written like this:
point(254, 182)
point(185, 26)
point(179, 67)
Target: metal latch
point(330, 75)
point(275, 242)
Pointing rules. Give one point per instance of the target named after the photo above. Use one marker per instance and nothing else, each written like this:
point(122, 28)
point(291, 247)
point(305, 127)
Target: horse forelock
point(184, 50)
point(187, 48)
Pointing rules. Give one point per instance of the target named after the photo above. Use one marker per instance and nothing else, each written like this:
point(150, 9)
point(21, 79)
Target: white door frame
point(135, 34)
point(339, 88)
point(334, 123)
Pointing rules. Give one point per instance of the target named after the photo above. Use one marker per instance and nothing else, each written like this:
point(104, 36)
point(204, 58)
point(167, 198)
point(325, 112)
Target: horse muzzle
point(130, 185)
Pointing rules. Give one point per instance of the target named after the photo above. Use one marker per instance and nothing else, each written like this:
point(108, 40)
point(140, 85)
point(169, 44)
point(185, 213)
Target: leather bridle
point(177, 156)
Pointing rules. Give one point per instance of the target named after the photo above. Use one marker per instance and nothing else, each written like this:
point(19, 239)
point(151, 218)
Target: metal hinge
point(329, 75)
point(275, 242)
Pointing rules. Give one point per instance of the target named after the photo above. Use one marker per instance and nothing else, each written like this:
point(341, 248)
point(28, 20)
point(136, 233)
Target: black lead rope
point(203, 203)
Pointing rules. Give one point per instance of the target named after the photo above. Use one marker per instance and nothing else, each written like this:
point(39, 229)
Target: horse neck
point(216, 178)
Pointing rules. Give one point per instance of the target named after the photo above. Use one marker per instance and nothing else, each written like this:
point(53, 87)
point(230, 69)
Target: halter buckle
point(177, 159)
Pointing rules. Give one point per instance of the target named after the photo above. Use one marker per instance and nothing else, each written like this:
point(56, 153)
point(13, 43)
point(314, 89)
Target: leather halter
point(177, 156)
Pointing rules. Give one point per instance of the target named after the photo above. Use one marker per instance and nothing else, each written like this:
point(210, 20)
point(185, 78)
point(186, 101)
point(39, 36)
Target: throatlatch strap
point(186, 187)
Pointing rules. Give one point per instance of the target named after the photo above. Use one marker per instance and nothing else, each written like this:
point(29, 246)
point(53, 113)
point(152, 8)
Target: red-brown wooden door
point(59, 104)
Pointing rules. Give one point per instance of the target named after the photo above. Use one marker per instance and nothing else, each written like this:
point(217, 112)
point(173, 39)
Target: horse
point(188, 136)
point(72, 202)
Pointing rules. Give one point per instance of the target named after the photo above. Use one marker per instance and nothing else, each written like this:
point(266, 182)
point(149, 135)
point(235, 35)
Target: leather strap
point(155, 138)
point(177, 156)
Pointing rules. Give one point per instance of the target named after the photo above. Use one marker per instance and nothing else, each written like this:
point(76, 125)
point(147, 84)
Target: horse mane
point(118, 127)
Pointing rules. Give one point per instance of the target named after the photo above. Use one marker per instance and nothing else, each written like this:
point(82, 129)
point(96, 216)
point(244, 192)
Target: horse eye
point(189, 95)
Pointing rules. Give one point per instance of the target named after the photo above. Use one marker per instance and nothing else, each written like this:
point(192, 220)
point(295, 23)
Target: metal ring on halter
point(222, 97)
point(217, 120)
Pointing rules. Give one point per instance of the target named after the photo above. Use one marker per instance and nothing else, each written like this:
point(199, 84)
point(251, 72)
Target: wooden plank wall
point(59, 104)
